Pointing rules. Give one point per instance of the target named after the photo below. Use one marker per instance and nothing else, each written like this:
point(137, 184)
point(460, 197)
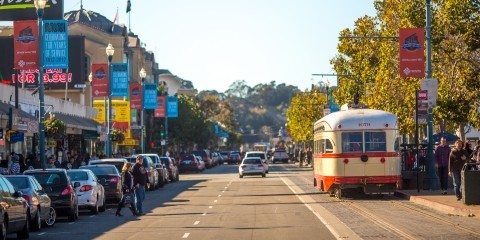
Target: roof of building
point(95, 21)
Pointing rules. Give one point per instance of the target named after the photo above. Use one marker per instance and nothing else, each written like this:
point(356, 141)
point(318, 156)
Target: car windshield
point(251, 161)
point(48, 179)
point(19, 182)
point(260, 155)
point(118, 165)
point(165, 161)
point(78, 175)
point(102, 170)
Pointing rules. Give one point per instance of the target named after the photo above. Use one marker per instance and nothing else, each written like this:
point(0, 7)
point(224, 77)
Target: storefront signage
point(25, 10)
point(150, 96)
point(55, 44)
point(14, 136)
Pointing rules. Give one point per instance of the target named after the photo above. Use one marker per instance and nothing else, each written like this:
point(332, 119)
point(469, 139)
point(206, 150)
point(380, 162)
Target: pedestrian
point(469, 149)
point(442, 154)
point(140, 180)
point(128, 189)
point(51, 162)
point(458, 157)
point(15, 167)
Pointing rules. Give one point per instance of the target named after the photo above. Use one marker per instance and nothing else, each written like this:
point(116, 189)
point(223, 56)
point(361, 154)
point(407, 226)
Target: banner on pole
point(25, 36)
point(150, 96)
point(136, 96)
point(55, 44)
point(119, 83)
point(100, 80)
point(160, 110)
point(412, 52)
point(172, 106)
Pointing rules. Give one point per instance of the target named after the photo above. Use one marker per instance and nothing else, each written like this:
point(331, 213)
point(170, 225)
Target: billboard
point(55, 78)
point(412, 52)
point(25, 10)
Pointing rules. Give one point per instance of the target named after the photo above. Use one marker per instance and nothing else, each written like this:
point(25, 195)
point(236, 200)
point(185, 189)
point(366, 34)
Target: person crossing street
point(140, 180)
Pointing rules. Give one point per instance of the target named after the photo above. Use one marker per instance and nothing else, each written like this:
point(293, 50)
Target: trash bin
point(470, 184)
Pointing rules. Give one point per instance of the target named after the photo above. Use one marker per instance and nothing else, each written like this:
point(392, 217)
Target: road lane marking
point(92, 216)
point(204, 214)
point(40, 234)
point(226, 187)
point(335, 225)
point(210, 207)
point(196, 222)
point(71, 223)
point(185, 235)
point(215, 201)
point(219, 195)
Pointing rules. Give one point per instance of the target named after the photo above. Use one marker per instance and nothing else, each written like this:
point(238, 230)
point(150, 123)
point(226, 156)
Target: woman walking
point(128, 190)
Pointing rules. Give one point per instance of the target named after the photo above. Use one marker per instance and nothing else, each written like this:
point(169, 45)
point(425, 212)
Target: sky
point(216, 42)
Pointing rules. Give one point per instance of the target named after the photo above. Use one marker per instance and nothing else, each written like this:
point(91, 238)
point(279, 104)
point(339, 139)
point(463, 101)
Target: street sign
point(422, 95)
point(431, 85)
point(80, 85)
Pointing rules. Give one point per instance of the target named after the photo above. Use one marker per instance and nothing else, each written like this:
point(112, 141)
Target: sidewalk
point(445, 203)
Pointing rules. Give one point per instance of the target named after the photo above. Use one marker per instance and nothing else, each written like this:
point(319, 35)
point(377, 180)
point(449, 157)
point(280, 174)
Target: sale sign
point(412, 52)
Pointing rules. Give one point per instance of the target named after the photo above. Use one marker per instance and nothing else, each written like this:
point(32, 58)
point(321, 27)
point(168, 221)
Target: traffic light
point(162, 131)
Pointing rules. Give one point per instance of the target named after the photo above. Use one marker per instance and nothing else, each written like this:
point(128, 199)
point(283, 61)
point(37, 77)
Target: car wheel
point(25, 232)
point(52, 217)
point(37, 222)
point(3, 235)
point(240, 175)
point(103, 207)
point(95, 208)
point(264, 175)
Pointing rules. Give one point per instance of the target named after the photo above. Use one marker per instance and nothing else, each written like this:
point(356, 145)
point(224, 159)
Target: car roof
point(254, 152)
point(46, 170)
point(98, 166)
point(109, 160)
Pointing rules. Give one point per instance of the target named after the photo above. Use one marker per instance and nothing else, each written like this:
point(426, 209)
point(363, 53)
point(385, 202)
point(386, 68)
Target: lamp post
point(40, 6)
point(143, 74)
point(110, 51)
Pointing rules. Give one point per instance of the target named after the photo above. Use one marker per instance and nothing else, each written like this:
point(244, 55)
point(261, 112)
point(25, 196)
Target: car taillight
point(114, 180)
point(67, 191)
point(243, 166)
point(86, 188)
point(27, 198)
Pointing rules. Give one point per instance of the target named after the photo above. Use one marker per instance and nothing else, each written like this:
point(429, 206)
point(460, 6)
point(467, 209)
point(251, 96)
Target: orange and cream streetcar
point(357, 148)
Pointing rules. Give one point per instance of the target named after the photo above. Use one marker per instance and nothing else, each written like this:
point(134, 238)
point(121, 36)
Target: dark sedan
point(15, 211)
point(110, 178)
point(58, 187)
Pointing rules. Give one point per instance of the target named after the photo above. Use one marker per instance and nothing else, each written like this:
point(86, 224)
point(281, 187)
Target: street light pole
point(110, 51)
point(143, 74)
point(40, 6)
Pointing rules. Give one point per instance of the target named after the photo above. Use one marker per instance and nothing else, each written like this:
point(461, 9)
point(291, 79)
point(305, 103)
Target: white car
point(90, 193)
point(261, 155)
point(251, 166)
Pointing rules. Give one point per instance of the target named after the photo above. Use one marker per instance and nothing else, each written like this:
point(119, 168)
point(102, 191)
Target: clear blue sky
point(215, 42)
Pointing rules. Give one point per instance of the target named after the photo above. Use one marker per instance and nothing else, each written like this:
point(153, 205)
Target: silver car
point(261, 155)
point(91, 194)
point(251, 166)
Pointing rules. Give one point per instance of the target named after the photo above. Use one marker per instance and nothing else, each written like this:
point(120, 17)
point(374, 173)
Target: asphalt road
point(214, 204)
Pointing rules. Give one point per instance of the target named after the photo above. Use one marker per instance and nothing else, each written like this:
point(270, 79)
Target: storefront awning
point(5, 108)
point(77, 121)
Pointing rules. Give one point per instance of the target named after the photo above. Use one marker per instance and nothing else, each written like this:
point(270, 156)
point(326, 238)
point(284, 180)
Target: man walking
point(458, 157)
point(140, 179)
point(442, 153)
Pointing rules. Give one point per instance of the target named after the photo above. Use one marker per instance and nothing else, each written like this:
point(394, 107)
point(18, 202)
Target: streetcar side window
point(352, 142)
point(325, 146)
point(375, 142)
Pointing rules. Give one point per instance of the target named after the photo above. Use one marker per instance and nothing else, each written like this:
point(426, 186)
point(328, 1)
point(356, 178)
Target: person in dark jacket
point(127, 187)
point(442, 154)
point(458, 157)
point(140, 180)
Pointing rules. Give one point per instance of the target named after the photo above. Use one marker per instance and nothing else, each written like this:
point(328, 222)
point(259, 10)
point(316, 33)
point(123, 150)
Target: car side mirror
point(76, 184)
point(17, 194)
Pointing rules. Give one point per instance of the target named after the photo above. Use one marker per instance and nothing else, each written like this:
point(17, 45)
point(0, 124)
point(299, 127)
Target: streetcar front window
point(375, 142)
point(352, 142)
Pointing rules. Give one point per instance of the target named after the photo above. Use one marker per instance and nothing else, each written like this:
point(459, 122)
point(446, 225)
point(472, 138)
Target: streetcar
point(357, 148)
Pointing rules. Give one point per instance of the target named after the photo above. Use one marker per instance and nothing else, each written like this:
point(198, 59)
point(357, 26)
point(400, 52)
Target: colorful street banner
point(160, 110)
point(25, 35)
point(121, 116)
point(55, 44)
point(136, 96)
point(100, 80)
point(25, 10)
point(119, 85)
point(412, 52)
point(172, 106)
point(150, 96)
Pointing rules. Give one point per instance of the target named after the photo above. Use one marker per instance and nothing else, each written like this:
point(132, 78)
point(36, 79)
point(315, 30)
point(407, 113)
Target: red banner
point(412, 52)
point(136, 96)
point(25, 35)
point(100, 80)
point(160, 110)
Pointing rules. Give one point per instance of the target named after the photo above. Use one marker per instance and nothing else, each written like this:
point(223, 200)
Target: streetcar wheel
point(338, 193)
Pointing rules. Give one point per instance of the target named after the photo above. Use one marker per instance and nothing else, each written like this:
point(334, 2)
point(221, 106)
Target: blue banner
point(172, 106)
point(119, 83)
point(55, 44)
point(150, 96)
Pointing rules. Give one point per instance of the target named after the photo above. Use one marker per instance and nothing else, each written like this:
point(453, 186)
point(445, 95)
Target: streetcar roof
point(358, 119)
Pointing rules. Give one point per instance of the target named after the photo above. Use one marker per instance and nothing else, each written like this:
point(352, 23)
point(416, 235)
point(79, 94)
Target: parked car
point(163, 176)
point(151, 171)
point(110, 179)
point(205, 154)
point(41, 210)
point(234, 158)
point(280, 156)
point(59, 188)
point(190, 163)
point(224, 156)
point(118, 162)
point(172, 168)
point(251, 166)
point(217, 157)
point(91, 194)
point(261, 155)
point(15, 217)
